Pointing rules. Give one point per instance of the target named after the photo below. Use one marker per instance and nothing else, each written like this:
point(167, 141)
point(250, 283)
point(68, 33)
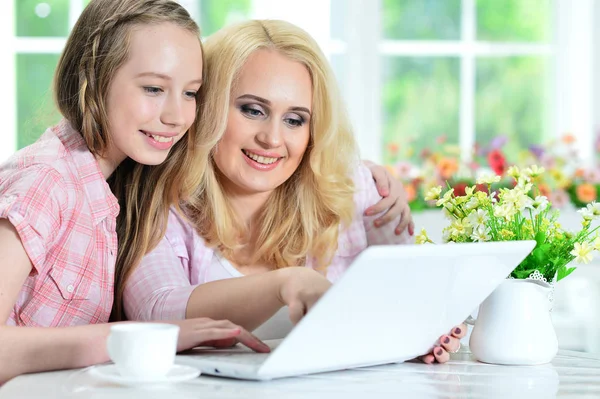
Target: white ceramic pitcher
point(514, 326)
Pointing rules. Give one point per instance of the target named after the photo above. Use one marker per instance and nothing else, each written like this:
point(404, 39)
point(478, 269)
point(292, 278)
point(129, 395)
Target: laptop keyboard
point(235, 357)
point(239, 354)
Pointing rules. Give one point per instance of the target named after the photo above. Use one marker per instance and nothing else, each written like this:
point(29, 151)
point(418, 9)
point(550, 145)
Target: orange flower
point(579, 172)
point(393, 148)
point(447, 167)
point(586, 192)
point(544, 190)
point(411, 192)
point(568, 138)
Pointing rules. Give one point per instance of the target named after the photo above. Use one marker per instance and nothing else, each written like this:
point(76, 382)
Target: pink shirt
point(55, 196)
point(160, 287)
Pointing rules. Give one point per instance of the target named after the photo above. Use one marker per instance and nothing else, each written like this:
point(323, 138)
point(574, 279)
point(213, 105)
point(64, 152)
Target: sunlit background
point(460, 78)
point(463, 71)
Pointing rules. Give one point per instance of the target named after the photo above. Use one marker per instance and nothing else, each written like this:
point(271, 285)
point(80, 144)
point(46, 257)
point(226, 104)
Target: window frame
point(570, 53)
point(575, 104)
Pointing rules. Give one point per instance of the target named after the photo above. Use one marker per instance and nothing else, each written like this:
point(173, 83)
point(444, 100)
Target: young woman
point(127, 85)
point(281, 205)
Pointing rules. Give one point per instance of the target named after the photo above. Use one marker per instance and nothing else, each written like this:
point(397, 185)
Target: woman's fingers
point(459, 331)
point(428, 359)
point(450, 344)
point(440, 354)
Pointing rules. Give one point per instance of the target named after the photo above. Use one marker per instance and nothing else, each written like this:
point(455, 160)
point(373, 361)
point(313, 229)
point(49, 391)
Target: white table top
point(571, 375)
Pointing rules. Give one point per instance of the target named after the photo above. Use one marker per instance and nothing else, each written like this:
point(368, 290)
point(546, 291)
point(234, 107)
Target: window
point(410, 70)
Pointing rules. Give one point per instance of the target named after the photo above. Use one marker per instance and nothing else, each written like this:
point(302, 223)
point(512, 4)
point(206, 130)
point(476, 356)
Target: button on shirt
point(56, 197)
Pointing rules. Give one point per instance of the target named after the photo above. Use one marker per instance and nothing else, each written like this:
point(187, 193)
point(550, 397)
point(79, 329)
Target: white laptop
point(391, 305)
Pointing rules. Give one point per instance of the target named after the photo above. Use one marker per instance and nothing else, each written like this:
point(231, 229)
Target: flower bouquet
point(518, 213)
point(516, 315)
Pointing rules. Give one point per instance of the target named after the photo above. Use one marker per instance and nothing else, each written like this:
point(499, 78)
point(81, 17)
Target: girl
point(127, 85)
point(283, 188)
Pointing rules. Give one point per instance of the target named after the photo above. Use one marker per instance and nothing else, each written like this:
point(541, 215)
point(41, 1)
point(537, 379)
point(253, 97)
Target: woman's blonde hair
point(302, 217)
point(97, 47)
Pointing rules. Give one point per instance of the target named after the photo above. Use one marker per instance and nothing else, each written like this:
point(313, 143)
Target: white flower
point(506, 211)
point(596, 244)
point(447, 197)
point(591, 211)
point(448, 214)
point(478, 218)
point(582, 252)
point(517, 198)
point(539, 204)
point(481, 234)
point(446, 234)
point(524, 184)
point(472, 203)
point(433, 193)
point(586, 213)
point(534, 171)
point(488, 179)
point(514, 172)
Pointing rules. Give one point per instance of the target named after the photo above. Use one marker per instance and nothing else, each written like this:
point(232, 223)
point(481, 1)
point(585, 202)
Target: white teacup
point(143, 350)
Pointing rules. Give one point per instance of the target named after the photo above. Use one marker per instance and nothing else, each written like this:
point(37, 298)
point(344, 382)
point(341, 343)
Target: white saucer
point(178, 373)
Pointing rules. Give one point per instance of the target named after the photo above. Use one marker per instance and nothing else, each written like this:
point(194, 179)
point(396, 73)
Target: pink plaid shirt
point(160, 287)
point(55, 195)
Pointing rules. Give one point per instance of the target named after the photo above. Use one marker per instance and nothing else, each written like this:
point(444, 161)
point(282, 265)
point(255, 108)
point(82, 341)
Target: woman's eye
point(251, 111)
point(152, 90)
point(191, 94)
point(295, 122)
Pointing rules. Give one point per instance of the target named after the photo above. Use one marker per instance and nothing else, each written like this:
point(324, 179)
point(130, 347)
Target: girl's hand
point(217, 333)
point(394, 200)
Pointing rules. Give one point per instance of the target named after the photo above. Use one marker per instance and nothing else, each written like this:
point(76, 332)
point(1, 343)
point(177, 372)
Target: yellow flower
point(433, 193)
point(459, 228)
point(422, 237)
point(582, 252)
point(506, 234)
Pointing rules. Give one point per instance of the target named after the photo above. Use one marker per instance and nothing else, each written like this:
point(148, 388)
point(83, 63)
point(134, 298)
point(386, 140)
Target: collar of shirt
point(102, 200)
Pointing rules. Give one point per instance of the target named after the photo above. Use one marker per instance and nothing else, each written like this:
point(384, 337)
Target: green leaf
point(564, 272)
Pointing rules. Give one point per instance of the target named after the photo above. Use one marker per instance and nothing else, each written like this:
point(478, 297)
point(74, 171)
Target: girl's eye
point(152, 90)
point(191, 94)
point(248, 110)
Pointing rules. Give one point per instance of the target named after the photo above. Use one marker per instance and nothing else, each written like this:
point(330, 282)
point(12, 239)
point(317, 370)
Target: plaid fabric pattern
point(160, 287)
point(55, 196)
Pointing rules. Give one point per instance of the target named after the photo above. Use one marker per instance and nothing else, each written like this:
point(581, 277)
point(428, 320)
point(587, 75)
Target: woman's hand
point(300, 288)
point(217, 333)
point(447, 344)
point(394, 200)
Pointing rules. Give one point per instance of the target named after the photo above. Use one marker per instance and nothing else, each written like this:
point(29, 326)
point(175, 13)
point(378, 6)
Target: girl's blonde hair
point(302, 217)
point(97, 47)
